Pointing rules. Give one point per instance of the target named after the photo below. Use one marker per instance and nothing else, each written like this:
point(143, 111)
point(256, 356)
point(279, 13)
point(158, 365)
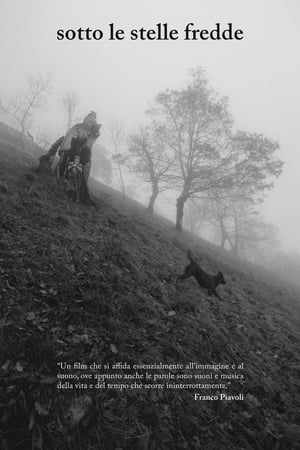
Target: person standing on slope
point(78, 140)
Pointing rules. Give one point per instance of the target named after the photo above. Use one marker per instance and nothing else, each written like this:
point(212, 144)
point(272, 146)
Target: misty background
point(120, 79)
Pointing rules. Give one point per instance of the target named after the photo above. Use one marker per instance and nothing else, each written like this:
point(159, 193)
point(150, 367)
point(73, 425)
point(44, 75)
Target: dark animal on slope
point(204, 279)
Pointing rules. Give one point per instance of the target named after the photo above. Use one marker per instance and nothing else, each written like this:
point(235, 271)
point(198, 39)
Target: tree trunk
point(235, 249)
point(121, 180)
point(179, 210)
point(224, 235)
point(152, 199)
point(236, 234)
point(223, 238)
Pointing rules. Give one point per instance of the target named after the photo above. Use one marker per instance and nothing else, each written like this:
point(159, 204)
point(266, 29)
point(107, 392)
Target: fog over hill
point(103, 345)
point(118, 79)
point(90, 287)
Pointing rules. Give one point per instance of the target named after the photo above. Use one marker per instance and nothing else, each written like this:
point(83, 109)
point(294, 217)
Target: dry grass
point(84, 285)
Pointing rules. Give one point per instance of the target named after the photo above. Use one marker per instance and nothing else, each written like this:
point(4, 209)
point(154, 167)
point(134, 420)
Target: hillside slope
point(85, 285)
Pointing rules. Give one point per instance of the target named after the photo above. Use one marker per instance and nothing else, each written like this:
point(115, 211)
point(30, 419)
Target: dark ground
point(79, 284)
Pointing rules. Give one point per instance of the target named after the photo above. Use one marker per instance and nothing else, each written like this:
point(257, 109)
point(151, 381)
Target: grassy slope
point(84, 285)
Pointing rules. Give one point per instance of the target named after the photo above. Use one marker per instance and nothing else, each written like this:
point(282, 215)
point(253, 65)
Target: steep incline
point(84, 285)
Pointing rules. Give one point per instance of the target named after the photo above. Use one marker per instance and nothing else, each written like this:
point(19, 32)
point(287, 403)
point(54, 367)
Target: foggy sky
point(259, 74)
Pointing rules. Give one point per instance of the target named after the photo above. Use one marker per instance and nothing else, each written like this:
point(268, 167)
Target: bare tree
point(70, 102)
point(117, 137)
point(234, 214)
point(217, 208)
point(195, 216)
point(256, 165)
point(148, 158)
point(196, 124)
point(21, 106)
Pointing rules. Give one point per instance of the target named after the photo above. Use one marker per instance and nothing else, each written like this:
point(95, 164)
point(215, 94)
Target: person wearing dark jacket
point(77, 141)
point(75, 150)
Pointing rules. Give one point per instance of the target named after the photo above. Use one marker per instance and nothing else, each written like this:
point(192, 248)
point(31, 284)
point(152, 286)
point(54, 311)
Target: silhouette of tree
point(21, 106)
